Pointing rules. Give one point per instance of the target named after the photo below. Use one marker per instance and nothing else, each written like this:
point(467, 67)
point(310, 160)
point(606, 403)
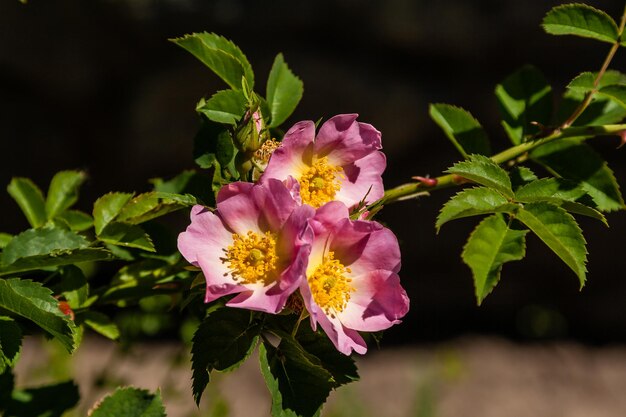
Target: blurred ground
point(466, 377)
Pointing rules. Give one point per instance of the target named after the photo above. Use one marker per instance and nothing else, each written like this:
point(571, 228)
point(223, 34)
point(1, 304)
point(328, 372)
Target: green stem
point(450, 180)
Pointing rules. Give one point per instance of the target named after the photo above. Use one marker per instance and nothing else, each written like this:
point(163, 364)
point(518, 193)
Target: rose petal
point(237, 208)
point(344, 140)
point(293, 156)
point(363, 180)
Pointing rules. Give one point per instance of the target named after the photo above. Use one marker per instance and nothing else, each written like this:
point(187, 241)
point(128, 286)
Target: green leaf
point(127, 235)
point(176, 185)
point(600, 111)
point(563, 193)
point(101, 324)
point(76, 220)
point(5, 238)
point(298, 384)
point(616, 93)
point(474, 202)
point(33, 263)
point(341, 367)
point(46, 401)
point(30, 199)
point(107, 207)
point(10, 343)
point(63, 191)
point(524, 97)
point(284, 91)
point(463, 130)
point(52, 241)
point(130, 402)
point(520, 176)
point(222, 342)
point(226, 106)
point(484, 171)
point(151, 205)
point(560, 232)
point(580, 163)
point(222, 56)
point(488, 248)
point(73, 286)
point(581, 20)
point(214, 147)
point(584, 82)
point(34, 302)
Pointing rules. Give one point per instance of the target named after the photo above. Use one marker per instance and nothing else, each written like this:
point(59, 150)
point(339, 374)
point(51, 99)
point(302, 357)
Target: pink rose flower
point(341, 163)
point(351, 280)
point(255, 244)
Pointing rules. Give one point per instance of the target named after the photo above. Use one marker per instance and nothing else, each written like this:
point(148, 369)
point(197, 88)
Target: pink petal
point(260, 299)
point(276, 202)
point(363, 180)
point(380, 251)
point(379, 301)
point(344, 338)
point(327, 216)
point(205, 235)
point(344, 140)
point(237, 208)
point(293, 156)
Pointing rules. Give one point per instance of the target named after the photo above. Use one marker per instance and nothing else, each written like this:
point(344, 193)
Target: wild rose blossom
point(351, 280)
point(341, 163)
point(256, 244)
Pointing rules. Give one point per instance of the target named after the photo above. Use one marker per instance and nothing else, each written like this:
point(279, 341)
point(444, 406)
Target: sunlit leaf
point(474, 202)
point(226, 106)
point(284, 91)
point(30, 199)
point(46, 241)
point(484, 171)
point(489, 247)
point(107, 207)
point(581, 20)
point(63, 191)
point(560, 232)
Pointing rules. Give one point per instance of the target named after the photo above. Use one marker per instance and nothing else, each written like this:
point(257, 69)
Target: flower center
point(329, 285)
point(252, 258)
point(319, 183)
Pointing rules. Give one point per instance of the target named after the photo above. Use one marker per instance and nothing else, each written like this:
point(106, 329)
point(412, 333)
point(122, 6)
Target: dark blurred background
point(95, 85)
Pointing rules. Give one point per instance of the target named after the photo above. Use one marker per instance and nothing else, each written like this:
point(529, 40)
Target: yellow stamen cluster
point(262, 155)
point(252, 258)
point(330, 286)
point(319, 183)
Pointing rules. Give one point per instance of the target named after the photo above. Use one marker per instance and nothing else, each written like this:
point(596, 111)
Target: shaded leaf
point(484, 171)
point(474, 202)
point(52, 241)
point(127, 235)
point(222, 56)
point(63, 191)
point(616, 93)
point(176, 185)
point(222, 342)
point(10, 343)
point(560, 232)
point(76, 220)
point(33, 263)
point(5, 238)
point(73, 286)
point(520, 176)
point(148, 206)
point(284, 91)
point(226, 106)
point(488, 248)
point(463, 130)
point(46, 401)
point(524, 97)
point(584, 82)
point(30, 199)
point(581, 20)
point(130, 402)
point(298, 384)
point(107, 207)
point(341, 367)
point(580, 163)
point(34, 302)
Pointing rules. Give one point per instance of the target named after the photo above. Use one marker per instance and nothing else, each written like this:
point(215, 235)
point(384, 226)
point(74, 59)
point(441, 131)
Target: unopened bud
point(248, 132)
